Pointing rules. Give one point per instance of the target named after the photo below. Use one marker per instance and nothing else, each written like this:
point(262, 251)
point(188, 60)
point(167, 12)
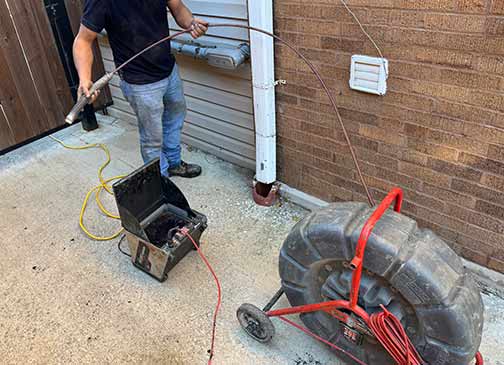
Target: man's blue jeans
point(161, 109)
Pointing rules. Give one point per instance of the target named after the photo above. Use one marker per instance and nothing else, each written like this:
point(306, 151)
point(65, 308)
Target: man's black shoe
point(185, 170)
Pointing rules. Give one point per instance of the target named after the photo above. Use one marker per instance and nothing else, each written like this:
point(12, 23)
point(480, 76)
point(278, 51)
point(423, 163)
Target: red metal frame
point(332, 307)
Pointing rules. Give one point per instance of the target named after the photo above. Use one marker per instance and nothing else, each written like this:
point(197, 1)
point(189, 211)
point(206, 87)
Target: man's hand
point(84, 87)
point(184, 18)
point(198, 27)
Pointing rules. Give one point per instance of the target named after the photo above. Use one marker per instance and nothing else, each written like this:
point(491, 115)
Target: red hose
point(389, 331)
point(479, 359)
point(185, 232)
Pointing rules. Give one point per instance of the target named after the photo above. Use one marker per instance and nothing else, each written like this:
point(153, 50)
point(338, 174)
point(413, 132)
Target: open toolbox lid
point(142, 192)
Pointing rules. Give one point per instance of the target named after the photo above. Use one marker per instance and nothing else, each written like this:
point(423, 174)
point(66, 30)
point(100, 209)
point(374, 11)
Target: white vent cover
point(369, 74)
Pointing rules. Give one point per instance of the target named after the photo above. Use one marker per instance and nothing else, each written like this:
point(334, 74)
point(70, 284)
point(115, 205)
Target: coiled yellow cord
point(96, 190)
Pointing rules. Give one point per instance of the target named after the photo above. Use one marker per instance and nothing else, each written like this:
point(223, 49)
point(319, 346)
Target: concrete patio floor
point(65, 299)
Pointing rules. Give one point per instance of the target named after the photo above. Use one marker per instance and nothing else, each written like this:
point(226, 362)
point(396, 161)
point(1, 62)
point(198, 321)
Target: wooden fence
point(34, 90)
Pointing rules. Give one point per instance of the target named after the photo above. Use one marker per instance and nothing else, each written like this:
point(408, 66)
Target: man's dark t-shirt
point(132, 25)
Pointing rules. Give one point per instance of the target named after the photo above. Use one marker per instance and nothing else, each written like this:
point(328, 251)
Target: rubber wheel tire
point(255, 323)
point(425, 277)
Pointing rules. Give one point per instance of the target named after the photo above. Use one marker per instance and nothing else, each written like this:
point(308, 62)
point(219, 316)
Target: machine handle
point(396, 195)
point(83, 100)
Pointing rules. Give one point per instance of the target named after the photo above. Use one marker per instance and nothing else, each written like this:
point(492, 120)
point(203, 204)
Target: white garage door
point(220, 116)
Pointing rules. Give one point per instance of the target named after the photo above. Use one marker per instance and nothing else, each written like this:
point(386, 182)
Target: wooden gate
point(34, 89)
point(34, 93)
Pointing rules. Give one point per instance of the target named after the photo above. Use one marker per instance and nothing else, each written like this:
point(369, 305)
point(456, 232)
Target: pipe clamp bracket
point(267, 86)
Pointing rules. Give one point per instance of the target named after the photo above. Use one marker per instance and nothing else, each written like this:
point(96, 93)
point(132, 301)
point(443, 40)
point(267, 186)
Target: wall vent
point(369, 74)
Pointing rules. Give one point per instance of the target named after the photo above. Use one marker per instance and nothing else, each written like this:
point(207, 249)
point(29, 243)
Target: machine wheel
point(256, 323)
point(410, 271)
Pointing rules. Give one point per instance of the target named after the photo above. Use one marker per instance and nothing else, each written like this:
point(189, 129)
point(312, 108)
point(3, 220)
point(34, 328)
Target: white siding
point(220, 109)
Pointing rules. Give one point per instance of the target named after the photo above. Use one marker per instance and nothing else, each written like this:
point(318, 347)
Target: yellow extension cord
point(96, 190)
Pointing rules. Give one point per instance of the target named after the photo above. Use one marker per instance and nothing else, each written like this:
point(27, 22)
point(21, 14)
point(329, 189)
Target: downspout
point(263, 81)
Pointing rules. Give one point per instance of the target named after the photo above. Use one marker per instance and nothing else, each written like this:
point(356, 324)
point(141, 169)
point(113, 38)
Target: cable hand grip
point(83, 100)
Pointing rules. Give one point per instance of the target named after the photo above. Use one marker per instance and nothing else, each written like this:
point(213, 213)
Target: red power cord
point(388, 330)
point(185, 232)
point(479, 359)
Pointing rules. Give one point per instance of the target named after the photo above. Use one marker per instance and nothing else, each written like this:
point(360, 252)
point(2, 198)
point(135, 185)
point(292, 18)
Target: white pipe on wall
point(263, 81)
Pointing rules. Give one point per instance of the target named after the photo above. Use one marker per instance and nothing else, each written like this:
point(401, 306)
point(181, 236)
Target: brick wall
point(439, 131)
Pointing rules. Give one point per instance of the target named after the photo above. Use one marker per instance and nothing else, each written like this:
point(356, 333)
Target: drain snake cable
point(102, 82)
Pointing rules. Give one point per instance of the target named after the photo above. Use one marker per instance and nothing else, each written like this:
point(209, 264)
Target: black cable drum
point(410, 270)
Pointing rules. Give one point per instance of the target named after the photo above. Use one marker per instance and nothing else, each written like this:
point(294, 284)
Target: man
point(151, 83)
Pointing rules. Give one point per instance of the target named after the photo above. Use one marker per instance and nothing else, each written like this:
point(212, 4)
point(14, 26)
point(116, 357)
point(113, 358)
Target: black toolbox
point(153, 211)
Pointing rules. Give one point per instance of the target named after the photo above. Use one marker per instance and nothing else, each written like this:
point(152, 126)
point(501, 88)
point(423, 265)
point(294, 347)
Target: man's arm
point(185, 19)
point(83, 59)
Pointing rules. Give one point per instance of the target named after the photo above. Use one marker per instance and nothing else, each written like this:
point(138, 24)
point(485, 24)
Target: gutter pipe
point(263, 81)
